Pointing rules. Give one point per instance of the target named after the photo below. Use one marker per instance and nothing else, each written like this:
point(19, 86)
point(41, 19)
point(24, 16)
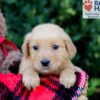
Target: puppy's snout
point(45, 62)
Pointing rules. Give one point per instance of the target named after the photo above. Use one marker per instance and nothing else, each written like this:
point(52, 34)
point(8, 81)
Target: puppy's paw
point(82, 97)
point(31, 81)
point(67, 81)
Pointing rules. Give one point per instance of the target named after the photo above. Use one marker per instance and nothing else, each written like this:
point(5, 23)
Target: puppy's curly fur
point(3, 27)
point(44, 37)
point(7, 63)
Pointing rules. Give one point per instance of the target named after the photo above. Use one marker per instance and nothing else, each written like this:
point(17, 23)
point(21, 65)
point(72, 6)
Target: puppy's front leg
point(67, 77)
point(30, 77)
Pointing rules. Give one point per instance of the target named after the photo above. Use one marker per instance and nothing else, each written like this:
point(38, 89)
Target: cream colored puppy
point(47, 49)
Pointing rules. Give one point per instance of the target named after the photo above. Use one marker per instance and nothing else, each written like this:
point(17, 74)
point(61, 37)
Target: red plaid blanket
point(11, 88)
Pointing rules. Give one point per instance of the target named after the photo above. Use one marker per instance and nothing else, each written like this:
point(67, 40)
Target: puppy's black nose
point(45, 62)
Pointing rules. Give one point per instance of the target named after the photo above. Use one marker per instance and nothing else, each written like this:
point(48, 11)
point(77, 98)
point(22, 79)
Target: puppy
point(47, 49)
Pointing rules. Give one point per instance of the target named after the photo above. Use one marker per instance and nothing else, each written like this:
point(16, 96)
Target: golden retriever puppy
point(47, 49)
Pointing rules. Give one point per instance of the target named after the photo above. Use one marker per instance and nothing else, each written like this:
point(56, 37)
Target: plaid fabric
point(11, 88)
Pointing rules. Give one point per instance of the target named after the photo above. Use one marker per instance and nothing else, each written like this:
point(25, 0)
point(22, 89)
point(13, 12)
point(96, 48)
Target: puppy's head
point(48, 48)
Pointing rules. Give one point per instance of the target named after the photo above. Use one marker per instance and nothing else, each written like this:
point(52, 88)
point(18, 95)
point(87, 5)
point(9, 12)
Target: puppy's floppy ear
point(25, 46)
point(70, 46)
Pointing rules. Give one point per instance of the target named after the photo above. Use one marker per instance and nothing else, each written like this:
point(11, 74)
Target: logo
point(91, 9)
point(87, 5)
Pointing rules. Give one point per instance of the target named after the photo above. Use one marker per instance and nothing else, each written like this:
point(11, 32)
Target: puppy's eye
point(55, 47)
point(35, 47)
